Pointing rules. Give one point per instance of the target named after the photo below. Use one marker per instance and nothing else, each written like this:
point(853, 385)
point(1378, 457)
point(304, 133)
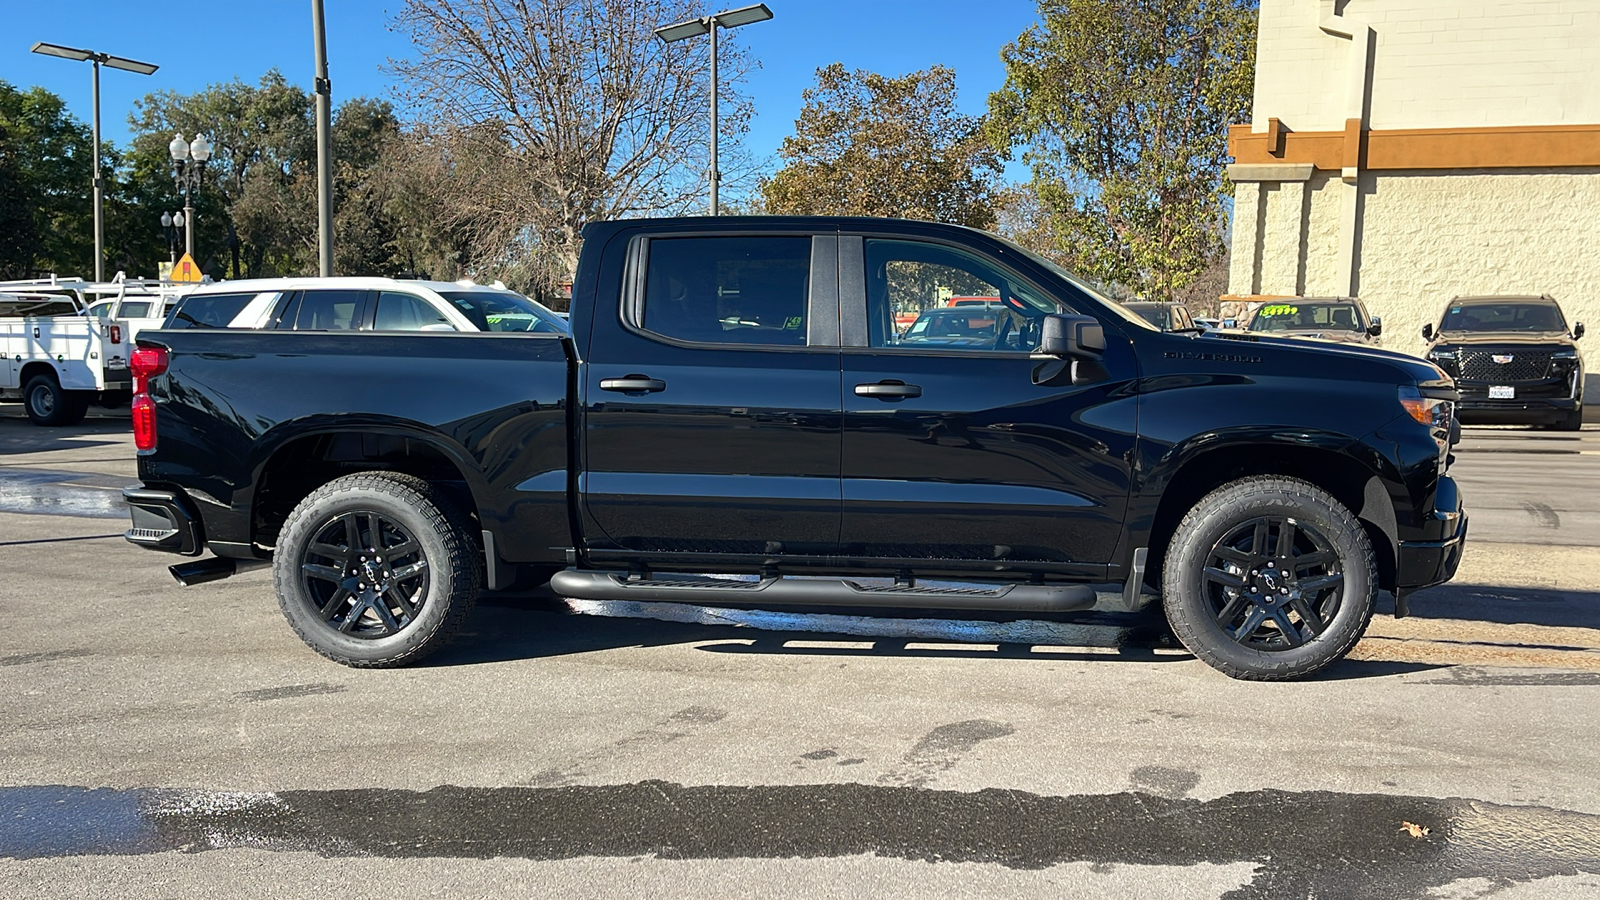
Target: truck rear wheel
point(375, 570)
point(1269, 579)
point(48, 403)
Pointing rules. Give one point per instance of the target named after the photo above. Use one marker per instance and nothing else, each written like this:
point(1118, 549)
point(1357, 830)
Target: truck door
point(950, 450)
point(711, 396)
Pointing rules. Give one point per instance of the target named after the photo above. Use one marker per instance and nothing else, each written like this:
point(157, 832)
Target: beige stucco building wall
point(1409, 151)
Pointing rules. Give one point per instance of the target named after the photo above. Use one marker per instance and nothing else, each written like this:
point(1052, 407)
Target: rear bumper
point(1435, 556)
point(163, 520)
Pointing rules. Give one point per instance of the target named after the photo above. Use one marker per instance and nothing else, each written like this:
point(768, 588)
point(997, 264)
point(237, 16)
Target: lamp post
point(731, 18)
point(115, 62)
point(188, 165)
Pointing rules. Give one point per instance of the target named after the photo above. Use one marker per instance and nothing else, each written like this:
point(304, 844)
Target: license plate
point(1502, 392)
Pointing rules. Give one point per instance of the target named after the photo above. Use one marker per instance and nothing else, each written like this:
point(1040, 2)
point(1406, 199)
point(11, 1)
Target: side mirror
point(1427, 332)
point(1376, 328)
point(1230, 323)
point(1577, 330)
point(1079, 337)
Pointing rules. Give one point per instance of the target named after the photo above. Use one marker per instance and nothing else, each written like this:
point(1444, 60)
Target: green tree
point(1123, 108)
point(257, 209)
point(870, 145)
point(45, 158)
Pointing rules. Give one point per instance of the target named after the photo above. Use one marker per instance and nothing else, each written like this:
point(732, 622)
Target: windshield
point(957, 323)
point(504, 311)
point(1087, 287)
point(1525, 316)
point(1302, 316)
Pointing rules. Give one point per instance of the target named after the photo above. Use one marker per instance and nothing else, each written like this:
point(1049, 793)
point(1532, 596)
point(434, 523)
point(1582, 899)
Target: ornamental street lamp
point(188, 165)
point(731, 18)
point(170, 224)
point(115, 62)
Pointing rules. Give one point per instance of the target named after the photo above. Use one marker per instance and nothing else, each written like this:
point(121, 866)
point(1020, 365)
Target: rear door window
point(207, 310)
point(728, 290)
point(404, 312)
point(330, 310)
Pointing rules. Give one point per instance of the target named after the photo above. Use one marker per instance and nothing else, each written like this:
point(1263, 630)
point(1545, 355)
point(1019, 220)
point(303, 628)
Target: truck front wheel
point(376, 570)
point(1269, 578)
point(48, 403)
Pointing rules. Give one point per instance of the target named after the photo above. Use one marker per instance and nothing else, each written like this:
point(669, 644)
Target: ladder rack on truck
point(65, 342)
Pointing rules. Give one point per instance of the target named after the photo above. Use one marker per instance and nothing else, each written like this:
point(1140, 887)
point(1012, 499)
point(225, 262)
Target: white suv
point(362, 304)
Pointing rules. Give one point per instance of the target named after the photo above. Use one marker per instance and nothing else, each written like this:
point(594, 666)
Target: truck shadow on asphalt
point(1549, 607)
point(527, 625)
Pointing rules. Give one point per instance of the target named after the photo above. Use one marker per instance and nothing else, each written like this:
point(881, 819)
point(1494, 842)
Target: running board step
point(586, 584)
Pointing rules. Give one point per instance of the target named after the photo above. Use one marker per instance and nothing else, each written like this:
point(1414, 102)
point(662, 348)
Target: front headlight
point(1564, 354)
point(1442, 354)
point(1430, 411)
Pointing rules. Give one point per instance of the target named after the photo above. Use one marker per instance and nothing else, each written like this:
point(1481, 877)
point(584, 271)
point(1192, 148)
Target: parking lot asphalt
point(181, 742)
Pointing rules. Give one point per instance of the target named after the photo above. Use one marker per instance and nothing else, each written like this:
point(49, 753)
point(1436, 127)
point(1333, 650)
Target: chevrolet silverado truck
point(733, 420)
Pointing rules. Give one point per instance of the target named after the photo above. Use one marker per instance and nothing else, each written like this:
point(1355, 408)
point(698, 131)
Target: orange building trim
point(1512, 147)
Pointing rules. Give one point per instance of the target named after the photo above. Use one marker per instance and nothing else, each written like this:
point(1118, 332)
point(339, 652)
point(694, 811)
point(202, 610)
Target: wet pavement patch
point(42, 492)
point(1312, 843)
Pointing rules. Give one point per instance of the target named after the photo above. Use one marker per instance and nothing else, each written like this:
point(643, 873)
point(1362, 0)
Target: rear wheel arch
point(300, 465)
point(1355, 485)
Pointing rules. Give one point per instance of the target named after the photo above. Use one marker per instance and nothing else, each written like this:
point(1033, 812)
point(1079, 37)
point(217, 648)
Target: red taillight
point(146, 363)
point(144, 422)
point(116, 334)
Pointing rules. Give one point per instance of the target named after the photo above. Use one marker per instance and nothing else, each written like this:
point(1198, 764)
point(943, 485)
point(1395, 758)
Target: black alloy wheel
point(1274, 583)
point(365, 575)
point(376, 569)
point(1269, 578)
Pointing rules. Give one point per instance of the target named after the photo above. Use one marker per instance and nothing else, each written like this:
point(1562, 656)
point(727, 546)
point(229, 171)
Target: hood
point(1502, 338)
point(1419, 370)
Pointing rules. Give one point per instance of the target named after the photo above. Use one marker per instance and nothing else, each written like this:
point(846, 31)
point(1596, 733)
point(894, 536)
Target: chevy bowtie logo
point(1502, 358)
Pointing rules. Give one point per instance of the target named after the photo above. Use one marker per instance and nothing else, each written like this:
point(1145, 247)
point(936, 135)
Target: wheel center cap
point(373, 571)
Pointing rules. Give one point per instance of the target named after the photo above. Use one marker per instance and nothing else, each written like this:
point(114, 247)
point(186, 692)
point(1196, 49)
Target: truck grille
point(1525, 365)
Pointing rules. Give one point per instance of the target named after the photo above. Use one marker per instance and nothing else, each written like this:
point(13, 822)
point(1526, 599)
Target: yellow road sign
point(186, 270)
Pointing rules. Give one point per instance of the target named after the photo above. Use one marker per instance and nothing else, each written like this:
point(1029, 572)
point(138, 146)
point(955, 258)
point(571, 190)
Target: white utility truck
point(64, 345)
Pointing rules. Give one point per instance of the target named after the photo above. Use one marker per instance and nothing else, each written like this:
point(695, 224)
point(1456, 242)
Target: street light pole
point(324, 92)
point(731, 18)
point(115, 62)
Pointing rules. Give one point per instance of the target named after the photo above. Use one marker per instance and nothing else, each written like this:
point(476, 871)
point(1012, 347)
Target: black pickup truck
point(735, 419)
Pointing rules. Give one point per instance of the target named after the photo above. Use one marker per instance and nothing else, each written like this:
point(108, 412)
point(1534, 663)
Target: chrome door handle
point(889, 390)
point(633, 384)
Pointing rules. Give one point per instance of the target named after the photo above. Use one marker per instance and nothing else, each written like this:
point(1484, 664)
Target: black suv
point(1514, 360)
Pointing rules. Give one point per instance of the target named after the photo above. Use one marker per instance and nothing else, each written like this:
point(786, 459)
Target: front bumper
point(163, 520)
point(1434, 557)
point(1537, 402)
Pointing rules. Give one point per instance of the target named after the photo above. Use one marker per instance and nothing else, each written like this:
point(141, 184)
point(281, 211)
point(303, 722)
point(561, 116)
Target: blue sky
point(229, 39)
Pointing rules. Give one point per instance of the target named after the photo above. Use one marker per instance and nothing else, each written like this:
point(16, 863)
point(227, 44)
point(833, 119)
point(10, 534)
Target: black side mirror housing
point(1427, 332)
point(1071, 337)
point(1376, 328)
point(1577, 330)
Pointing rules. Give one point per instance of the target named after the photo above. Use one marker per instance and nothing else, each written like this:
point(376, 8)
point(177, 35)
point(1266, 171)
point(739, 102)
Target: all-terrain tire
point(1212, 590)
point(347, 571)
point(50, 404)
